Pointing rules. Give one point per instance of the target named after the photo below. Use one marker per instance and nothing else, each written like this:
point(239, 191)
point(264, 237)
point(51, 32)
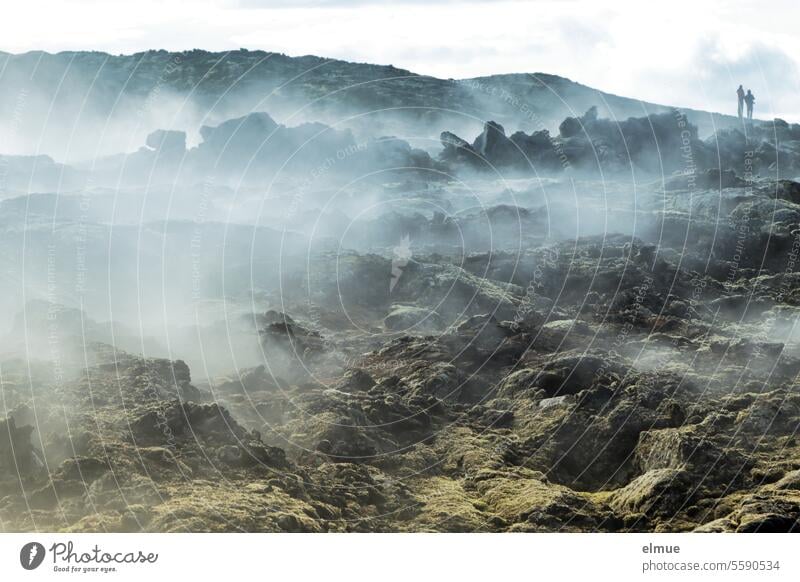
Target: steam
point(168, 218)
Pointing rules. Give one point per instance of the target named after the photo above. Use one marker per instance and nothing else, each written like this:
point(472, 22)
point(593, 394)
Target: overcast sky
point(688, 53)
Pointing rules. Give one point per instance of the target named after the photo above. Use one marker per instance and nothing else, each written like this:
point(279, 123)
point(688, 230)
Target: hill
point(75, 105)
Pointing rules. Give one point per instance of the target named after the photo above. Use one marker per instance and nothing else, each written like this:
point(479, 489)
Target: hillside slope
point(74, 105)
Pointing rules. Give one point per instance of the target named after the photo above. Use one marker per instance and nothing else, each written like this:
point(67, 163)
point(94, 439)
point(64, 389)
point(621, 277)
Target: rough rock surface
point(544, 355)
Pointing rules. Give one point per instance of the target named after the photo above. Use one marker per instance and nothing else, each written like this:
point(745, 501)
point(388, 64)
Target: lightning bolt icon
point(34, 551)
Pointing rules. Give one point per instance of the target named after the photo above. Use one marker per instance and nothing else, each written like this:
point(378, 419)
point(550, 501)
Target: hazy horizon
point(673, 58)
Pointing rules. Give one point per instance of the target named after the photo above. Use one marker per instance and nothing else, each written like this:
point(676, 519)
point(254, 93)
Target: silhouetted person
point(740, 96)
point(749, 99)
